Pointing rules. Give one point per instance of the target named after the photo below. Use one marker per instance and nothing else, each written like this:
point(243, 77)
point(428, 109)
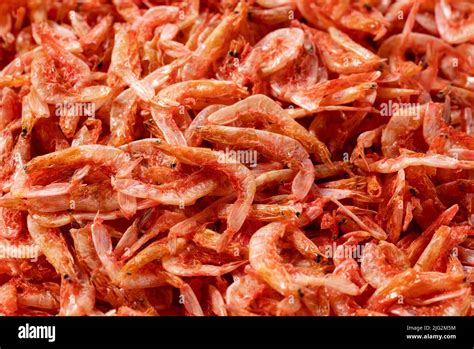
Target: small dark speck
point(368, 6)
point(410, 55)
point(129, 273)
point(462, 186)
point(441, 94)
point(300, 293)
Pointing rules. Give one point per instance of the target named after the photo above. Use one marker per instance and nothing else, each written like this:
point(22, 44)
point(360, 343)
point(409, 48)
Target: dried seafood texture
point(222, 158)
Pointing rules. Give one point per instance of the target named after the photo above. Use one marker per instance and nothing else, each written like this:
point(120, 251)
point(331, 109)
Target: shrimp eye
point(367, 6)
point(441, 94)
point(300, 293)
point(298, 214)
point(413, 191)
point(129, 273)
point(318, 258)
point(65, 276)
point(410, 55)
point(24, 131)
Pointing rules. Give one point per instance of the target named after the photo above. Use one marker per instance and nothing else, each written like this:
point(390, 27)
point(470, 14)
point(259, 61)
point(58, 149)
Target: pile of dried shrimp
point(265, 157)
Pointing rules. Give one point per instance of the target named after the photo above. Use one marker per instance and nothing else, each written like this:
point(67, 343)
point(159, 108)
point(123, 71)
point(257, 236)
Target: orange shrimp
point(240, 177)
point(272, 112)
point(279, 147)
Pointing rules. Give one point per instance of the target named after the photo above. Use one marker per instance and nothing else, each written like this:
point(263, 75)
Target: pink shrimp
point(273, 145)
point(417, 159)
point(381, 262)
point(77, 294)
point(181, 192)
point(275, 51)
point(240, 177)
point(125, 65)
point(453, 33)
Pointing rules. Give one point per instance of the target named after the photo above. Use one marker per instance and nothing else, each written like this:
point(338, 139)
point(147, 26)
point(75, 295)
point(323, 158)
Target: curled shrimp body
point(276, 50)
point(381, 262)
point(403, 161)
point(236, 158)
point(279, 147)
point(77, 295)
point(287, 280)
point(240, 177)
point(271, 112)
point(180, 192)
point(342, 55)
point(461, 31)
point(194, 94)
point(215, 45)
point(59, 76)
